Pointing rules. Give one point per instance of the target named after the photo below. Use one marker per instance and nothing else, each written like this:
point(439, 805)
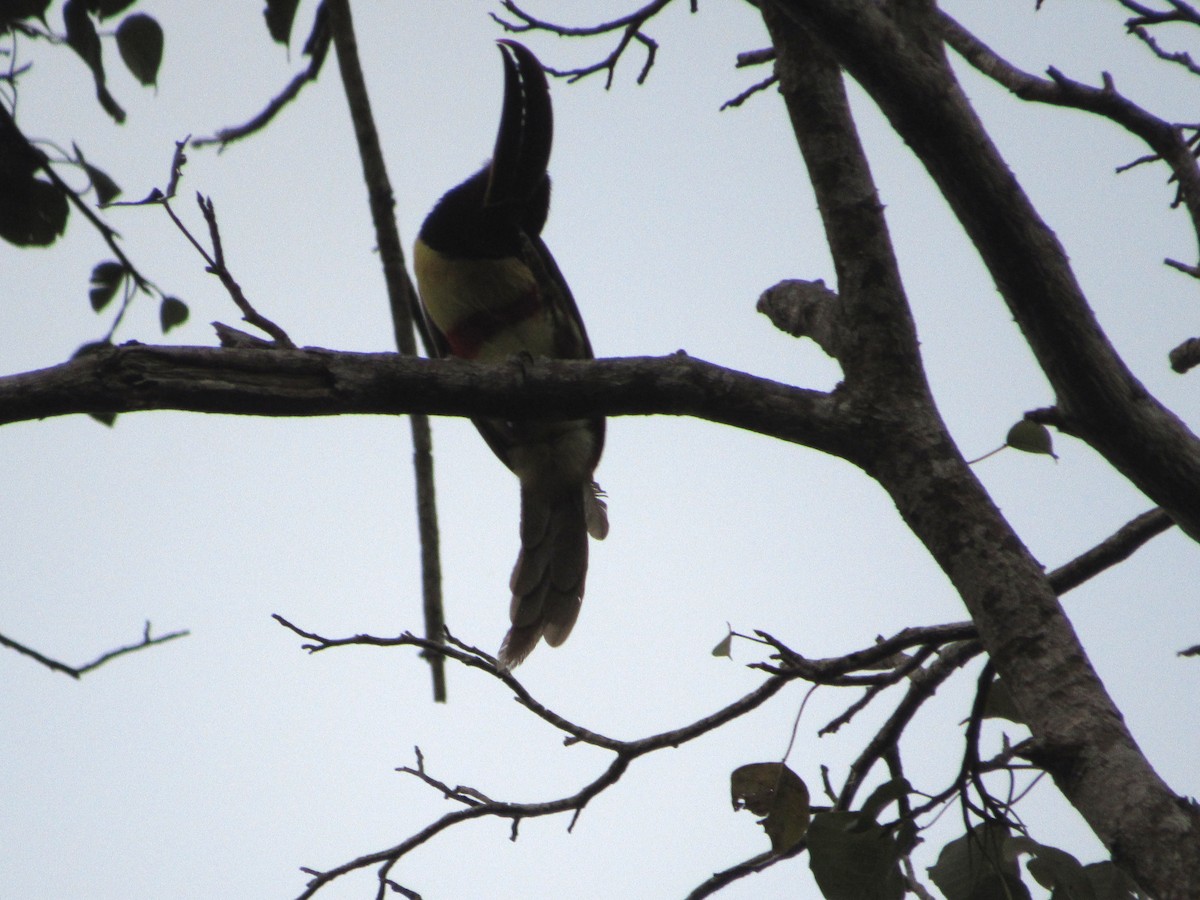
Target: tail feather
point(548, 579)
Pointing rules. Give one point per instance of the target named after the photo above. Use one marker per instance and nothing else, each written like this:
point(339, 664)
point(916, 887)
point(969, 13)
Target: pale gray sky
point(217, 765)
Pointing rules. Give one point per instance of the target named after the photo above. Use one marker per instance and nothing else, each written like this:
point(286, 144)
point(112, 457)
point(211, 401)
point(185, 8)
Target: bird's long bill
point(526, 132)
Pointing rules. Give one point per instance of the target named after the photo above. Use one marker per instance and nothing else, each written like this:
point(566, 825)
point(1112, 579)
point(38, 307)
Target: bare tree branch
point(216, 264)
point(78, 671)
point(894, 54)
point(315, 382)
point(1114, 549)
point(630, 27)
point(406, 318)
point(316, 48)
point(884, 653)
point(477, 804)
point(1186, 356)
point(1164, 138)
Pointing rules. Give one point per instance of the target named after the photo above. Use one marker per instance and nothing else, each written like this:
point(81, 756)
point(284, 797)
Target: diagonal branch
point(892, 51)
point(1102, 402)
point(316, 48)
point(1164, 138)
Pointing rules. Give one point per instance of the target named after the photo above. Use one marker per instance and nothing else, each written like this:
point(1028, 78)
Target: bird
point(491, 291)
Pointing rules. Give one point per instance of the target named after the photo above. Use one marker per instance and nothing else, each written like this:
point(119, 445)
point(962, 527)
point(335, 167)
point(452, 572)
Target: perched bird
point(491, 290)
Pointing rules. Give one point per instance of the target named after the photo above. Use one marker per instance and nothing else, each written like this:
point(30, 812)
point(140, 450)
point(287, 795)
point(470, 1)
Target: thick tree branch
point(867, 325)
point(315, 382)
point(1088, 749)
point(1101, 401)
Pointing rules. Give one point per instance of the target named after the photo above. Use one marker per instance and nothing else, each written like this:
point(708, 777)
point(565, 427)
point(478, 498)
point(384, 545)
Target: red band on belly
point(469, 336)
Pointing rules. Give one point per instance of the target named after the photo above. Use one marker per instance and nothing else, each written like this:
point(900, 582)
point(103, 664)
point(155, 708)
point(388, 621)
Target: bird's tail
point(548, 579)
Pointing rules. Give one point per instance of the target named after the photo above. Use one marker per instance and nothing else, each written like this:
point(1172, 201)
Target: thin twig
point(922, 687)
point(316, 48)
point(749, 92)
point(1164, 138)
point(78, 671)
point(402, 300)
point(216, 266)
point(629, 25)
point(477, 804)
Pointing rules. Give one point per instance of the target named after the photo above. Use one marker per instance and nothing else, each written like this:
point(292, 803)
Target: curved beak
point(526, 132)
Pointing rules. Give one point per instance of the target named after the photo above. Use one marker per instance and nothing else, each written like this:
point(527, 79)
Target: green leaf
point(725, 648)
point(33, 213)
point(776, 793)
point(1031, 437)
point(106, 278)
point(171, 313)
point(852, 858)
point(140, 40)
point(976, 867)
point(279, 15)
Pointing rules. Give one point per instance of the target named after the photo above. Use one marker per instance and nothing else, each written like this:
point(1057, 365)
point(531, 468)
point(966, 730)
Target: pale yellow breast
point(454, 290)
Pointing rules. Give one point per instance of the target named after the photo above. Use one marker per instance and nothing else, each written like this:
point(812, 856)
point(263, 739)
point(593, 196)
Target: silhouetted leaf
point(82, 37)
point(106, 278)
point(1054, 868)
point(1031, 437)
point(108, 8)
point(140, 40)
point(976, 867)
point(13, 10)
point(279, 15)
point(725, 647)
point(886, 793)
point(106, 189)
point(33, 213)
point(852, 858)
point(171, 313)
point(776, 793)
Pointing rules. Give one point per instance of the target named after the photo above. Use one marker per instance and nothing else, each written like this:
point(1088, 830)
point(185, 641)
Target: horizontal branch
point(317, 382)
